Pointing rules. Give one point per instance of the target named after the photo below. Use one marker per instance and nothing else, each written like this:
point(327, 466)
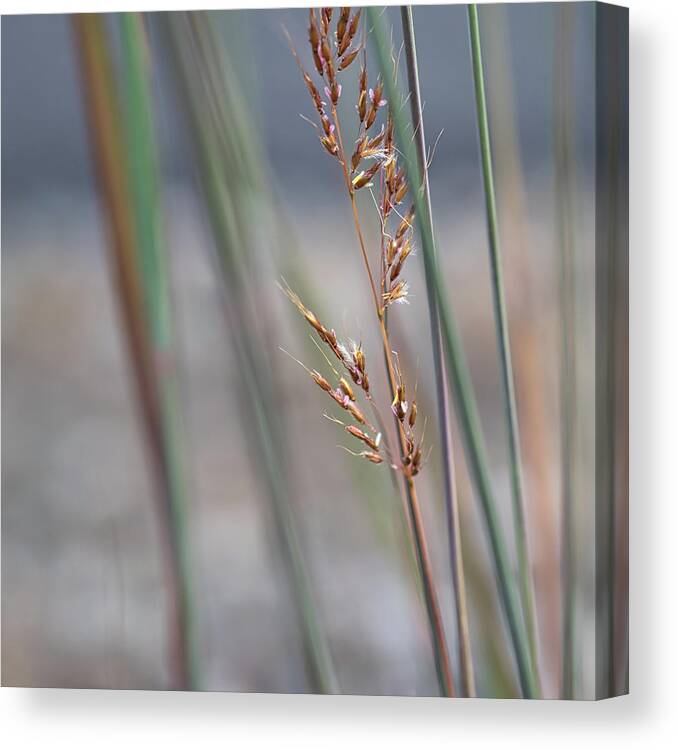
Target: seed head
point(413, 414)
point(359, 358)
point(342, 23)
point(363, 178)
point(355, 412)
point(360, 146)
point(330, 144)
point(362, 95)
point(401, 192)
point(348, 59)
point(367, 439)
point(398, 292)
point(345, 386)
point(415, 462)
point(321, 381)
point(325, 18)
point(405, 224)
point(313, 91)
point(353, 27)
point(399, 404)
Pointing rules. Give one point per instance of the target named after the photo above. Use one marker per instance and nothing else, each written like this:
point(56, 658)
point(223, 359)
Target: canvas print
point(315, 350)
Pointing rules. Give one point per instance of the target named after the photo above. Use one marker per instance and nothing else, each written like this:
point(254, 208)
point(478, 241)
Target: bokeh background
point(82, 590)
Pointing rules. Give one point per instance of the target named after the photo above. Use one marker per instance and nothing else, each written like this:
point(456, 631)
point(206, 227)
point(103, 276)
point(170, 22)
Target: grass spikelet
point(331, 55)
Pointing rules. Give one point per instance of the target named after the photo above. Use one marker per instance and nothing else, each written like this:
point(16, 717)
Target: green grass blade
point(130, 198)
point(143, 175)
point(218, 140)
point(503, 341)
point(460, 377)
point(444, 415)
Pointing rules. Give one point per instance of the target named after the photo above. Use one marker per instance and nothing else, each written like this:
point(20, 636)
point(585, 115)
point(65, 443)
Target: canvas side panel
point(611, 444)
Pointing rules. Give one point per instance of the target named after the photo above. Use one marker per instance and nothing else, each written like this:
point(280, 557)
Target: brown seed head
point(364, 178)
point(362, 95)
point(401, 192)
point(399, 404)
point(330, 145)
point(359, 359)
point(325, 49)
point(313, 34)
point(388, 143)
point(397, 292)
point(325, 18)
point(375, 104)
point(360, 146)
point(321, 381)
point(327, 125)
point(317, 61)
point(355, 412)
point(397, 267)
point(313, 91)
point(348, 59)
point(386, 205)
point(416, 462)
point(346, 388)
point(353, 27)
point(342, 23)
point(390, 172)
point(391, 251)
point(376, 141)
point(405, 224)
point(367, 439)
point(362, 79)
point(413, 414)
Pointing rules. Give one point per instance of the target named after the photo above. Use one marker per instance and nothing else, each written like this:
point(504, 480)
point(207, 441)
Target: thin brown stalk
point(333, 48)
point(110, 159)
point(414, 511)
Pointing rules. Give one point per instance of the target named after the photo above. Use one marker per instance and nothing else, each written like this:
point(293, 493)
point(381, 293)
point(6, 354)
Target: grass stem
point(460, 376)
point(503, 340)
point(125, 161)
point(442, 661)
point(444, 415)
point(220, 145)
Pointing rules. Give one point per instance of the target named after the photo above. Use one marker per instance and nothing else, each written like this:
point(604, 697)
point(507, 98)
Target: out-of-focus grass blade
point(128, 177)
point(460, 377)
point(227, 170)
point(531, 365)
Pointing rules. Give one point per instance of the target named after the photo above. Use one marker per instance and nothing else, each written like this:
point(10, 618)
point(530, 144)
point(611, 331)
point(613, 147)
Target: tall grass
point(334, 46)
point(460, 377)
point(122, 138)
point(444, 413)
point(503, 341)
point(228, 174)
point(239, 201)
point(527, 328)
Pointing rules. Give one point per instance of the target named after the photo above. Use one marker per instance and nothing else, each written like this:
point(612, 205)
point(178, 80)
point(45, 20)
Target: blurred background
point(83, 590)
